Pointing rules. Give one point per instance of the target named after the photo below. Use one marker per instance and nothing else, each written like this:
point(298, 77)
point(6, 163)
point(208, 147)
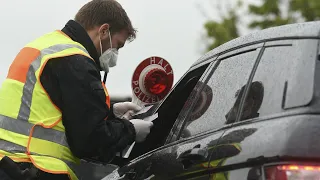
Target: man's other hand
point(125, 110)
point(142, 129)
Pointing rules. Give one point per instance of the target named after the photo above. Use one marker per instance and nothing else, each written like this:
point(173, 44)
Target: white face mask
point(109, 57)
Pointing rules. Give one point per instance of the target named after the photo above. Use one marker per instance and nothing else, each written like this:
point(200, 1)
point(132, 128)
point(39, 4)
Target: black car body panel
point(248, 103)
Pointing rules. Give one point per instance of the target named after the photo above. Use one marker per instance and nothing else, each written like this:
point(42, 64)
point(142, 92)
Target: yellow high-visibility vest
point(31, 128)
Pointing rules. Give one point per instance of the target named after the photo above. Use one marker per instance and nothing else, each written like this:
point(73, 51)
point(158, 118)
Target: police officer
point(54, 109)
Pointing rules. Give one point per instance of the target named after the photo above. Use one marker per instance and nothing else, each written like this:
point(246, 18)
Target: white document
point(151, 118)
point(143, 110)
point(126, 152)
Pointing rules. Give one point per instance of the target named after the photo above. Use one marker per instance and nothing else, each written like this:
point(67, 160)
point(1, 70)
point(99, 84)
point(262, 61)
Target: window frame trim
point(248, 85)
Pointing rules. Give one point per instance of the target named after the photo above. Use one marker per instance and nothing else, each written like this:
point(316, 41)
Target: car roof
point(297, 30)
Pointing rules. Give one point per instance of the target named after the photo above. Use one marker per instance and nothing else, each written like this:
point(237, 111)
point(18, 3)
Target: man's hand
point(142, 129)
point(125, 110)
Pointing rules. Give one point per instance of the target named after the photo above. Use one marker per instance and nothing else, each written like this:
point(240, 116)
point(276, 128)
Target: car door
point(201, 122)
point(281, 80)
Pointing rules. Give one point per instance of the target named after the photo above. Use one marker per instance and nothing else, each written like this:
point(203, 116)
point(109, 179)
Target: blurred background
point(180, 31)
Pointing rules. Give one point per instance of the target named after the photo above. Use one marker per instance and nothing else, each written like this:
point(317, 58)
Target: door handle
point(150, 177)
point(193, 156)
point(132, 175)
point(128, 176)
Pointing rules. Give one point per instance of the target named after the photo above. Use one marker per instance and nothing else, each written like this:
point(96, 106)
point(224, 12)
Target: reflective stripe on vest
point(31, 80)
point(24, 112)
point(86, 170)
point(24, 128)
point(30, 124)
point(15, 148)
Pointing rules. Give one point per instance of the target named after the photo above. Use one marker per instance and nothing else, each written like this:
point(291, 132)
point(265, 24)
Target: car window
point(168, 112)
point(280, 69)
point(214, 106)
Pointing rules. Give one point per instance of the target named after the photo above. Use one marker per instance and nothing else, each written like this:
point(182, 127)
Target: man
point(54, 109)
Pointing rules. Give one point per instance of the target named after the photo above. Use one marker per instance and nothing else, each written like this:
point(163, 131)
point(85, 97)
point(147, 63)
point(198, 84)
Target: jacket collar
point(77, 33)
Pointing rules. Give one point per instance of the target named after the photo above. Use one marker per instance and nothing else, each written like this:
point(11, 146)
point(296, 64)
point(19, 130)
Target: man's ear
point(104, 31)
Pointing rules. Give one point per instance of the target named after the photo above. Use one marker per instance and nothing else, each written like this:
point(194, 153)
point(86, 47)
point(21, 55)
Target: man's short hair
point(97, 12)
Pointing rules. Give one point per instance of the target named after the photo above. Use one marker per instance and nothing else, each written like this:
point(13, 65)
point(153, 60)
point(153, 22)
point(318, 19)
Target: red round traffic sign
point(152, 79)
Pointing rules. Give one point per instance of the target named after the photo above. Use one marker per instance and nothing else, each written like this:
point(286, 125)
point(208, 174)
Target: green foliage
point(223, 31)
point(309, 9)
point(270, 15)
point(268, 7)
point(267, 14)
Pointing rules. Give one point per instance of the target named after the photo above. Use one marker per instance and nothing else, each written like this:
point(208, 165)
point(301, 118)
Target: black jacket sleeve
point(74, 85)
point(111, 114)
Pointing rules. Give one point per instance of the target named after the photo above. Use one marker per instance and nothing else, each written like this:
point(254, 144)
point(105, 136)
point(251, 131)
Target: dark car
point(248, 109)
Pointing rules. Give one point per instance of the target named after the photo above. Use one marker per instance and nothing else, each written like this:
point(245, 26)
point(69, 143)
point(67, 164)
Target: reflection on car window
point(274, 69)
point(203, 93)
point(251, 105)
point(210, 112)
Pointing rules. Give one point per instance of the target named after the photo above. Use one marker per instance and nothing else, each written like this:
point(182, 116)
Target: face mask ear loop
point(110, 39)
point(105, 73)
point(105, 77)
point(100, 45)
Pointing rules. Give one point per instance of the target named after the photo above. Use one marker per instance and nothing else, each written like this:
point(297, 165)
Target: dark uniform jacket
point(74, 85)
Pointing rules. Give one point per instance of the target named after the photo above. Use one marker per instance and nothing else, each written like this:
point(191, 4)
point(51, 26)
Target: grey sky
point(167, 28)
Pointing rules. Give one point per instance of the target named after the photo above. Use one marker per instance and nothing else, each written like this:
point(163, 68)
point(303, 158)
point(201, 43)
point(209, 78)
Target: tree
point(309, 9)
point(223, 31)
point(269, 13)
